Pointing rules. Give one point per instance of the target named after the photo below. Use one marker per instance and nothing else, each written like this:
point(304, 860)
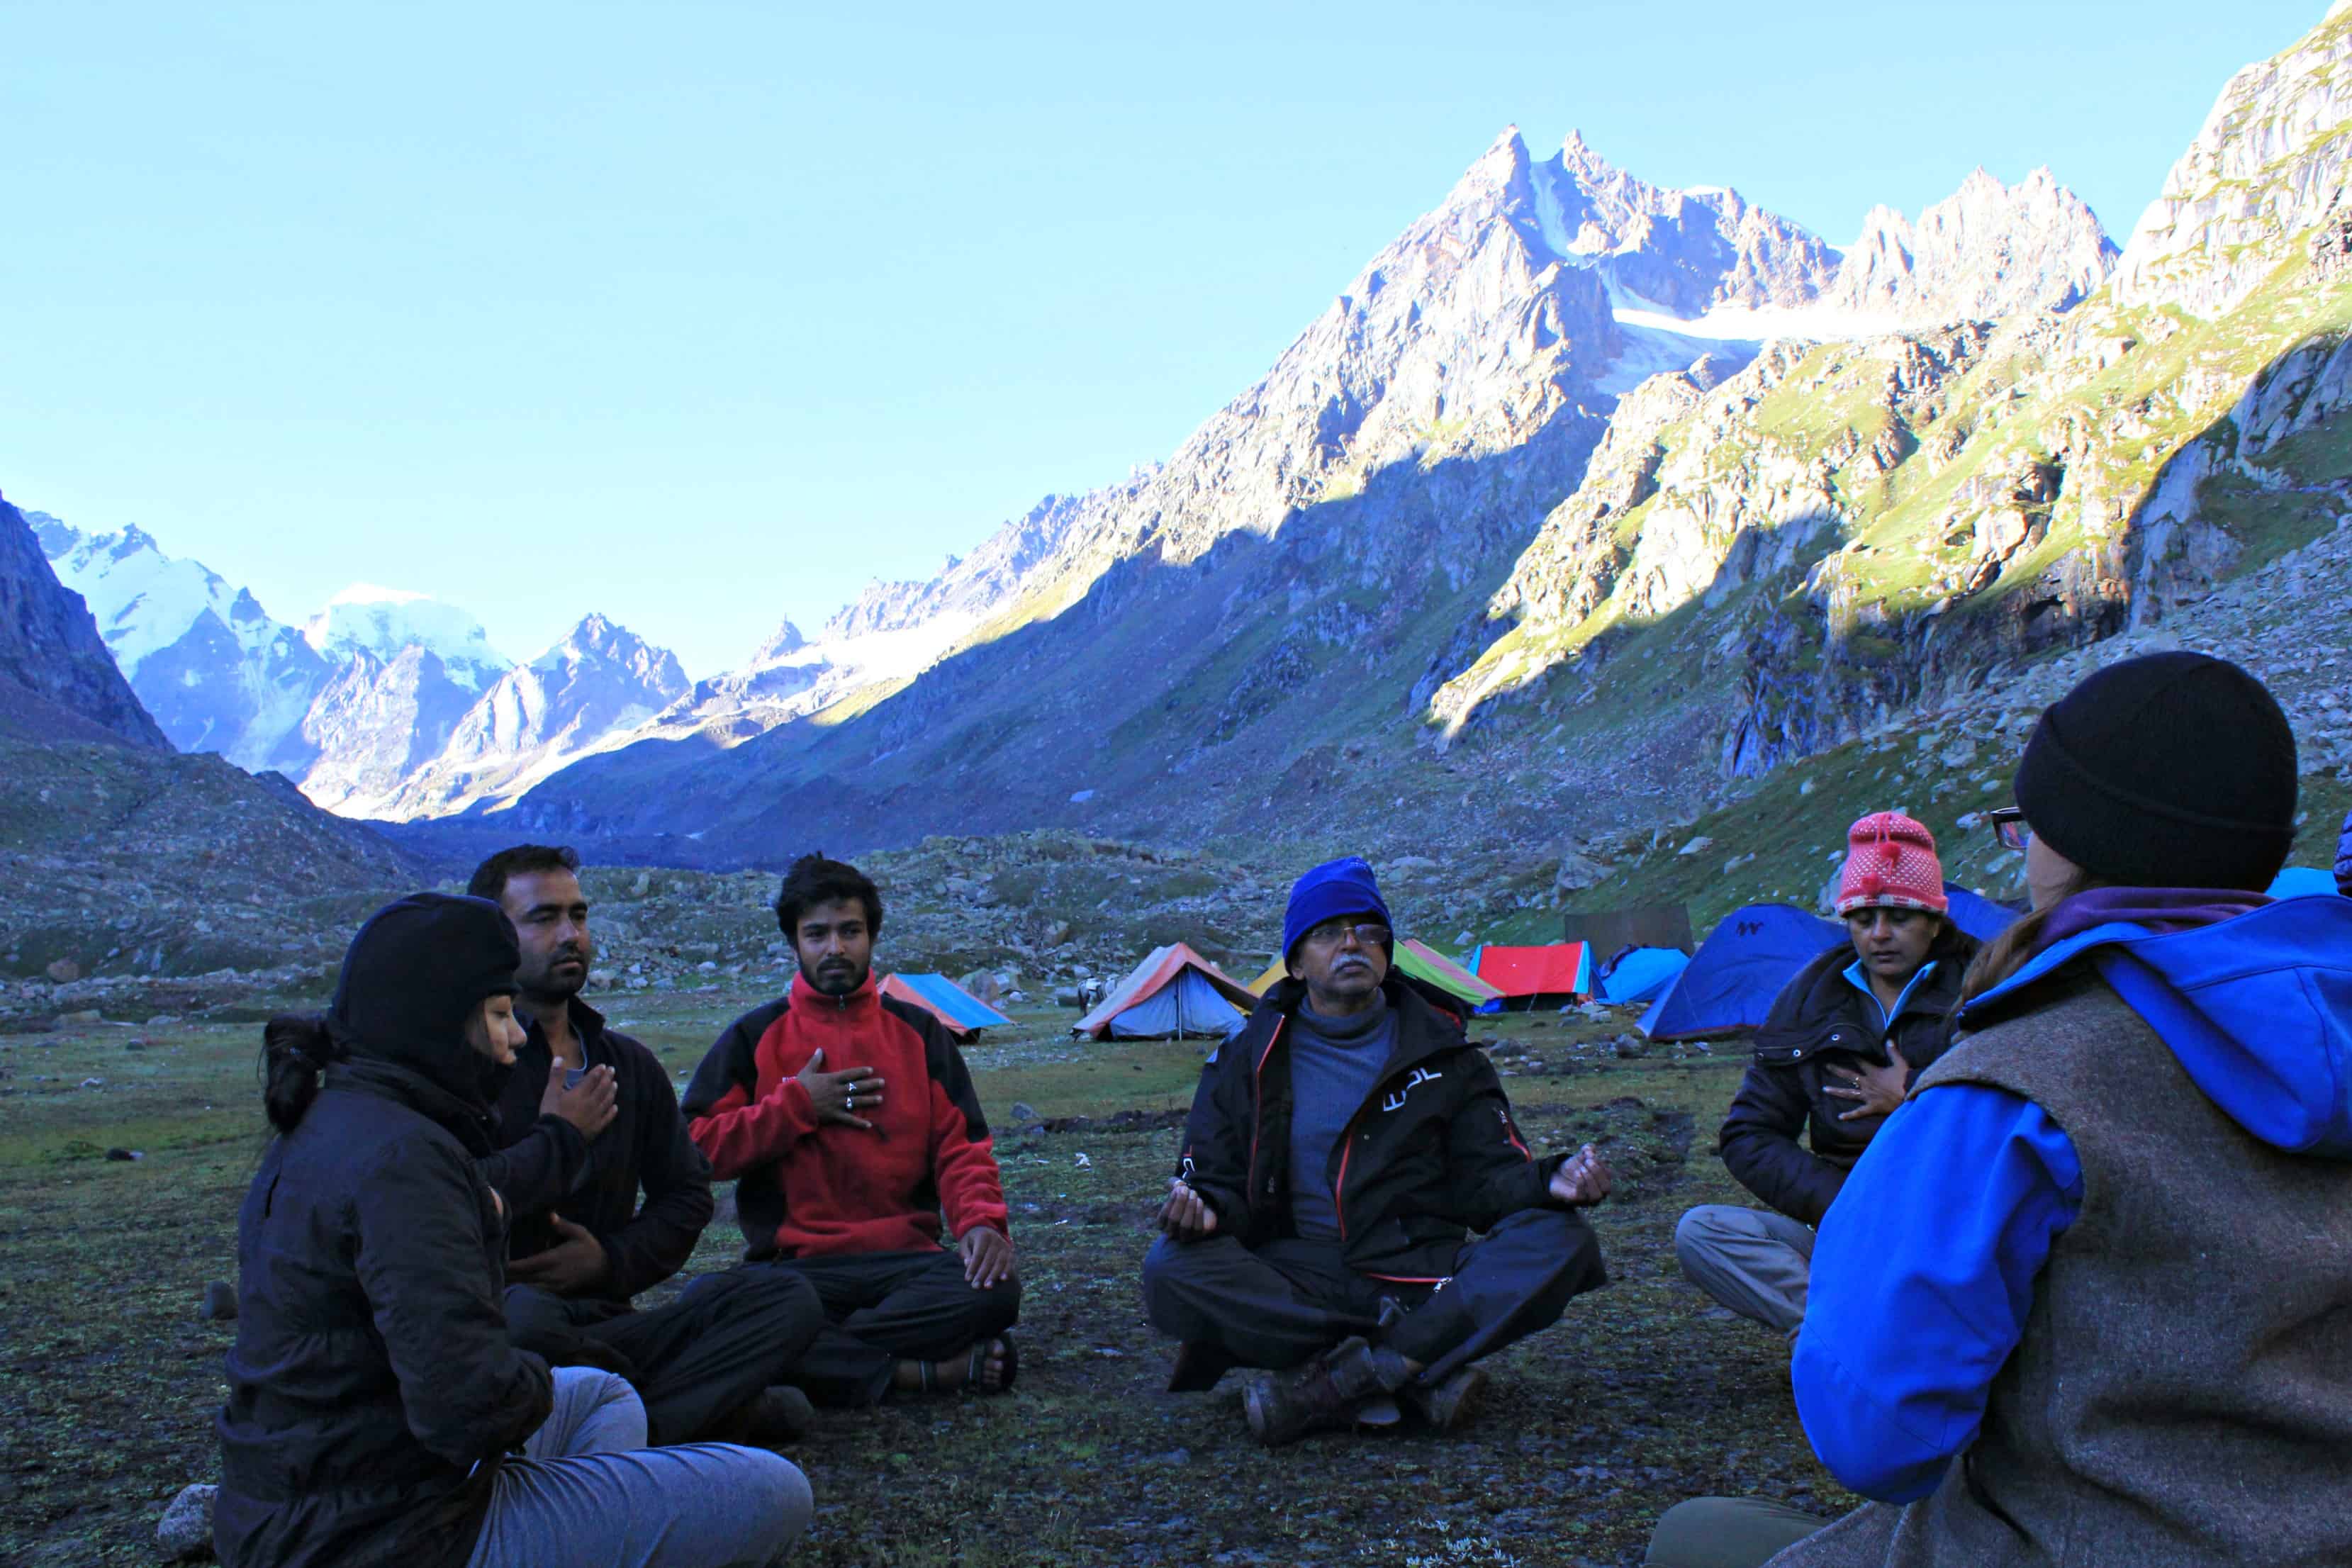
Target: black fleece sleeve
point(533, 1174)
point(1760, 1143)
point(656, 1243)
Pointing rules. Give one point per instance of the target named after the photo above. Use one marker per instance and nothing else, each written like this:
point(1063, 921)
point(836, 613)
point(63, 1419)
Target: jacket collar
point(586, 1022)
point(1423, 1030)
point(469, 1123)
point(865, 999)
point(1821, 994)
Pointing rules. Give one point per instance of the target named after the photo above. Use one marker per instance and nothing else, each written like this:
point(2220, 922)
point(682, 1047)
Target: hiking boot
point(1327, 1392)
point(778, 1416)
point(1198, 1367)
point(1445, 1403)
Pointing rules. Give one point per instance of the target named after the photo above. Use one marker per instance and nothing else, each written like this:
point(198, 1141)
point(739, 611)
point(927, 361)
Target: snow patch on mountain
point(217, 673)
point(381, 622)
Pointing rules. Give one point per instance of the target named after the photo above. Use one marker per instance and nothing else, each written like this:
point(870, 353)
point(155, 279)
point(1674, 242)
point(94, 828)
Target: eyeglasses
point(1331, 933)
point(2008, 824)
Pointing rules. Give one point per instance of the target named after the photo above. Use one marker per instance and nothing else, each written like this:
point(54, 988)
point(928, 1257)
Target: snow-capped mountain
point(385, 701)
point(217, 674)
point(600, 683)
point(382, 623)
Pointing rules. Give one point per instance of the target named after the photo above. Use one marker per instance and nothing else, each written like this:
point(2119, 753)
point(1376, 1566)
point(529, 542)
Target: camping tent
point(964, 1014)
point(1641, 974)
point(1976, 915)
point(1414, 961)
point(1534, 976)
point(2301, 881)
point(1732, 979)
point(1174, 992)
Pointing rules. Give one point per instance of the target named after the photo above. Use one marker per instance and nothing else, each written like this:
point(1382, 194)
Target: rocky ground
point(1643, 1396)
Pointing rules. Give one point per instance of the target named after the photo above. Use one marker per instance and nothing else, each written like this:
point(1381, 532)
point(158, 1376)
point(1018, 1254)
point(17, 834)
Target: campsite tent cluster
point(1726, 986)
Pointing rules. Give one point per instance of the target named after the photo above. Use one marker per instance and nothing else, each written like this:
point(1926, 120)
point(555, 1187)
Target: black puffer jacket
point(1818, 1030)
point(1431, 1154)
point(372, 1387)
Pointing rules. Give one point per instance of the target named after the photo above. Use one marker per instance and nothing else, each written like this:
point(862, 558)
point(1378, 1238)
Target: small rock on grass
point(126, 1154)
point(220, 1302)
point(185, 1531)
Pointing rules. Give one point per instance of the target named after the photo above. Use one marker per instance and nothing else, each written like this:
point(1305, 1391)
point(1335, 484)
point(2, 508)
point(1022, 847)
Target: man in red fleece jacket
point(848, 1122)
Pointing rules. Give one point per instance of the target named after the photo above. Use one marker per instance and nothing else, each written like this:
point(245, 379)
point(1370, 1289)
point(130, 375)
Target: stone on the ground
point(185, 1532)
point(1577, 872)
point(220, 1302)
point(64, 971)
point(125, 1154)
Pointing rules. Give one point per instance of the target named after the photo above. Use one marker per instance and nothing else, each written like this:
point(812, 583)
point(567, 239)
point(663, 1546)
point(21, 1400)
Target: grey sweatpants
point(1755, 1261)
point(589, 1491)
point(1726, 1533)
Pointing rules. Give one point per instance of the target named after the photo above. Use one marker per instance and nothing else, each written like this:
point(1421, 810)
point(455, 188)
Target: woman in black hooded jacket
point(375, 1403)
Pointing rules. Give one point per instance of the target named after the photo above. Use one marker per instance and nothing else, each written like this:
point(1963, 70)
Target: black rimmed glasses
point(2009, 825)
point(1331, 933)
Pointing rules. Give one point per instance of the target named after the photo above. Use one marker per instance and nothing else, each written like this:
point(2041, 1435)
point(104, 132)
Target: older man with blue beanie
point(1341, 1149)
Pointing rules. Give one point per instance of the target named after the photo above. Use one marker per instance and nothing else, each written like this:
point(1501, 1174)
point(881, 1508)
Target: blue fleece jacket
point(1921, 1286)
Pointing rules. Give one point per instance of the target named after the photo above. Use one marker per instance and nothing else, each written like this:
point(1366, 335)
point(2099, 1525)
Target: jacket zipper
point(1257, 1113)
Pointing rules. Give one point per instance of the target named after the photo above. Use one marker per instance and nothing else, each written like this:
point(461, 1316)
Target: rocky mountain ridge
point(52, 660)
point(1399, 455)
point(1848, 527)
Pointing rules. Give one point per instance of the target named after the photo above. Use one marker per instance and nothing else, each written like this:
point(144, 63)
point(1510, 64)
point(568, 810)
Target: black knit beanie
point(2173, 770)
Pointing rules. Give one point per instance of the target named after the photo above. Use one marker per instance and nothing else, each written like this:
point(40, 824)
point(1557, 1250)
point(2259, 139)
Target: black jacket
point(371, 1371)
point(1431, 1154)
point(538, 1168)
point(1819, 1029)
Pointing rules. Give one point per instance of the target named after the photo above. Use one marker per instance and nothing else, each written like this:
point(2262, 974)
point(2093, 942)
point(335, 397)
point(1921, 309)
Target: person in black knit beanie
point(2126, 775)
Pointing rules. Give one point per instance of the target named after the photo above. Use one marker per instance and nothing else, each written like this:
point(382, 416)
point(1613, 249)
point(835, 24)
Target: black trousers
point(1290, 1299)
point(693, 1362)
point(883, 1308)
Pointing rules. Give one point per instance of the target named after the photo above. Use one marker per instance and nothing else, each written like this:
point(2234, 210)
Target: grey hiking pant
point(1757, 1262)
point(589, 1491)
point(1726, 1533)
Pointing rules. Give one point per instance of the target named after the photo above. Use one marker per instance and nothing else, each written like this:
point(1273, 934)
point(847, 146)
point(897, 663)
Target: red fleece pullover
point(829, 1188)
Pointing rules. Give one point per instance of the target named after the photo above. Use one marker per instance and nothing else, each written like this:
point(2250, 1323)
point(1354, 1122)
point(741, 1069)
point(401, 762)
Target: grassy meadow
point(1643, 1396)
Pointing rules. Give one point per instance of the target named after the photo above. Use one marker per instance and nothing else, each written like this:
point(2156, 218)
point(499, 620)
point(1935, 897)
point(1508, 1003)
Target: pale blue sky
point(700, 315)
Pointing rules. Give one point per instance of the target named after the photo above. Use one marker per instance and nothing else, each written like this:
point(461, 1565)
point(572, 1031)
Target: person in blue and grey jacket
point(2087, 1297)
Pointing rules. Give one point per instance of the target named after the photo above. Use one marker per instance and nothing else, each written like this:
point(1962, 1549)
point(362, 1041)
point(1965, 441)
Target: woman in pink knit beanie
point(1833, 1059)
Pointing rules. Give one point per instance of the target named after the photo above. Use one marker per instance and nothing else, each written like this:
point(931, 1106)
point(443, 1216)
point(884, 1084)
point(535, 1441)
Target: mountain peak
point(367, 617)
point(1503, 164)
point(785, 640)
point(1986, 251)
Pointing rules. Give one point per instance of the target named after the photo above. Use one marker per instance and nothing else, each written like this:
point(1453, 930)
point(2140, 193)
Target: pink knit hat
point(1890, 863)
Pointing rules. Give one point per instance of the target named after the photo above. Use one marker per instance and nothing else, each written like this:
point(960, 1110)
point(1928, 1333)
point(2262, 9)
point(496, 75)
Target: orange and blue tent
point(1174, 992)
point(1559, 971)
point(964, 1014)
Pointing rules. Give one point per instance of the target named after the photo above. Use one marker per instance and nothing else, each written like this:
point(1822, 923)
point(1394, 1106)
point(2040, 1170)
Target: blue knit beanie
point(1342, 887)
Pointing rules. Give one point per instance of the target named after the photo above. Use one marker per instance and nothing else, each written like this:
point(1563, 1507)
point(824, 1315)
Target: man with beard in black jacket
point(586, 1118)
point(1341, 1148)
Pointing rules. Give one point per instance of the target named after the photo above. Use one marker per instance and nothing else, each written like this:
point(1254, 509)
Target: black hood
point(413, 979)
